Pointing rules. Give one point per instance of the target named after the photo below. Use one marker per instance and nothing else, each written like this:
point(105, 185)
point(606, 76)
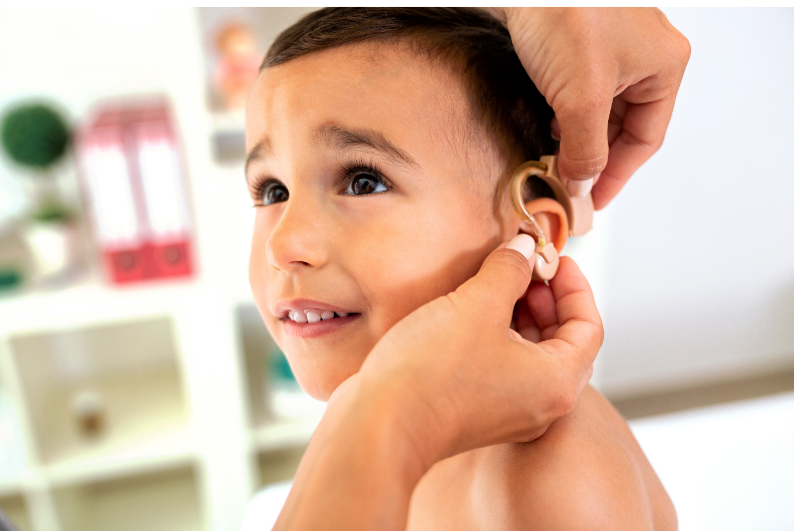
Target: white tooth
point(327, 315)
point(298, 317)
point(312, 316)
point(342, 314)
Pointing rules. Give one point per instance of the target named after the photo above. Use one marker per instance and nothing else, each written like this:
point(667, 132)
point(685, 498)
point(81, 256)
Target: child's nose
point(297, 240)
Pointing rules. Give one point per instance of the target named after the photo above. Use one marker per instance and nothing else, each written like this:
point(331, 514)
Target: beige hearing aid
point(578, 210)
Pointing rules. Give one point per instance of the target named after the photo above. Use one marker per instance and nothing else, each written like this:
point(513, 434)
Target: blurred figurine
point(239, 64)
point(89, 412)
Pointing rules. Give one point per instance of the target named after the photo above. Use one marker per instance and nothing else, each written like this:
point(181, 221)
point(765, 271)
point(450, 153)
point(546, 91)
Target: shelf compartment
point(163, 500)
point(278, 465)
point(15, 509)
point(132, 367)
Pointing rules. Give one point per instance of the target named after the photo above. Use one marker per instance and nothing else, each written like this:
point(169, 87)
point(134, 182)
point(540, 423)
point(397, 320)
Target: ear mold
point(579, 211)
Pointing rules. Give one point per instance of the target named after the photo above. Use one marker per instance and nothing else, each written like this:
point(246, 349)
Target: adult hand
point(479, 381)
point(611, 76)
point(450, 377)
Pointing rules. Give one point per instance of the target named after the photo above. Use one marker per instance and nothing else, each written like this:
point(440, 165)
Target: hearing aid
point(579, 212)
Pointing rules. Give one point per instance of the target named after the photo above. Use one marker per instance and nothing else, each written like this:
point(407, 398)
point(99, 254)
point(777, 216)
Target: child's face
point(316, 128)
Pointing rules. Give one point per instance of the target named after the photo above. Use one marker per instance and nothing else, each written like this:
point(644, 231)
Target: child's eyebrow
point(261, 150)
point(342, 138)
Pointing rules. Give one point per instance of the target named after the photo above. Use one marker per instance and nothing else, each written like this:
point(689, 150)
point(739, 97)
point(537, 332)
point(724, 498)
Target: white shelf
point(167, 450)
point(92, 304)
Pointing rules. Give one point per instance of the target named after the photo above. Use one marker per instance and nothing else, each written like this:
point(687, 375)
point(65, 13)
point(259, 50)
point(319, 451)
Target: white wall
point(699, 281)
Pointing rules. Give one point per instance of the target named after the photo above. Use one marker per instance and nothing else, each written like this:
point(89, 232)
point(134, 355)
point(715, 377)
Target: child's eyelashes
point(268, 191)
point(363, 178)
point(357, 178)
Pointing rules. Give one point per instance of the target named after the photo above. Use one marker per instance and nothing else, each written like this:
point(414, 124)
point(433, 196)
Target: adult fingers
point(615, 126)
point(543, 308)
point(524, 322)
point(642, 134)
point(581, 333)
point(582, 111)
point(501, 281)
point(616, 116)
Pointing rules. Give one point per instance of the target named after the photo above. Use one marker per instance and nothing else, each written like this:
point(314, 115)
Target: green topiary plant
point(34, 135)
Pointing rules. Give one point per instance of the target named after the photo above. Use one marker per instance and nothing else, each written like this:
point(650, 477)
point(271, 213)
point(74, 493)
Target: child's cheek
point(406, 267)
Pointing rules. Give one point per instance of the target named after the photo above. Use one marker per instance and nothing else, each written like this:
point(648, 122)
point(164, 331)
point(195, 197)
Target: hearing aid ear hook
point(578, 210)
point(546, 258)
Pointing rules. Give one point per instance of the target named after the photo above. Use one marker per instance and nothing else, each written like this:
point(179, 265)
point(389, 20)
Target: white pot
point(52, 249)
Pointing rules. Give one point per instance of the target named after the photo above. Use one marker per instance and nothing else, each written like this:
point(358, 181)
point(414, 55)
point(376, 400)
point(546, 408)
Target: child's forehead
point(366, 78)
point(366, 83)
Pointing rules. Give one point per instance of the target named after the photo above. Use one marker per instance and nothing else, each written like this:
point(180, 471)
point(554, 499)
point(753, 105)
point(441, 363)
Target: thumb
point(501, 281)
point(583, 116)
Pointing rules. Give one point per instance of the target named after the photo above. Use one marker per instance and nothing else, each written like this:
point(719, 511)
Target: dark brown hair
point(502, 96)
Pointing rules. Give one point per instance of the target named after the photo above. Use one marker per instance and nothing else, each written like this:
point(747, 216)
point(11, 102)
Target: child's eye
point(365, 184)
point(273, 192)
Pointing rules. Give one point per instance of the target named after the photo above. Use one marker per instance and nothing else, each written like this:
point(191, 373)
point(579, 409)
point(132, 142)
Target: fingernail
point(580, 188)
point(524, 244)
point(555, 129)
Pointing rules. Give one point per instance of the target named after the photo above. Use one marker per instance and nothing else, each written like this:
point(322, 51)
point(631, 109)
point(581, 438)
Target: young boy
point(381, 142)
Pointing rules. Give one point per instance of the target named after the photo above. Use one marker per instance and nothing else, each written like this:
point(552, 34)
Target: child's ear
point(552, 219)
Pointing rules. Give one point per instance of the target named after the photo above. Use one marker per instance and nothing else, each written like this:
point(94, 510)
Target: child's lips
point(306, 330)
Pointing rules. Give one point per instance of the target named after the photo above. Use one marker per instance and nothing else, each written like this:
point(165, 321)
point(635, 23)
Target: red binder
point(134, 185)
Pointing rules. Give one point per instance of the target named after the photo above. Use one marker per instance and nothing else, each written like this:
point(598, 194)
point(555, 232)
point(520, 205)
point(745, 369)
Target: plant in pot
point(36, 138)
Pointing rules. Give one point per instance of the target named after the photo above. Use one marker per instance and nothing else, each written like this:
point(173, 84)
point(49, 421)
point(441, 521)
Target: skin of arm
point(360, 468)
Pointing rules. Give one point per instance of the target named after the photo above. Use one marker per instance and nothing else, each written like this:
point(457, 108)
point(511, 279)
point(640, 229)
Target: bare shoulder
point(586, 472)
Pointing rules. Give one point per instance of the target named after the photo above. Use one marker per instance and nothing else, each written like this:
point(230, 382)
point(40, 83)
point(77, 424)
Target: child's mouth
point(314, 316)
point(313, 322)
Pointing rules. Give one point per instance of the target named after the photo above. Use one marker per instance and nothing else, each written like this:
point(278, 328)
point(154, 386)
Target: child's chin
point(321, 386)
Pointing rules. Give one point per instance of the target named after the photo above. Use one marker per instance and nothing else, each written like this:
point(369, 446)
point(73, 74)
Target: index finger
point(644, 127)
point(581, 332)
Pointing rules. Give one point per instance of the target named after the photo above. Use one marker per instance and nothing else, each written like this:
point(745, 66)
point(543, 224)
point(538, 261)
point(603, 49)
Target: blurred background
point(138, 386)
